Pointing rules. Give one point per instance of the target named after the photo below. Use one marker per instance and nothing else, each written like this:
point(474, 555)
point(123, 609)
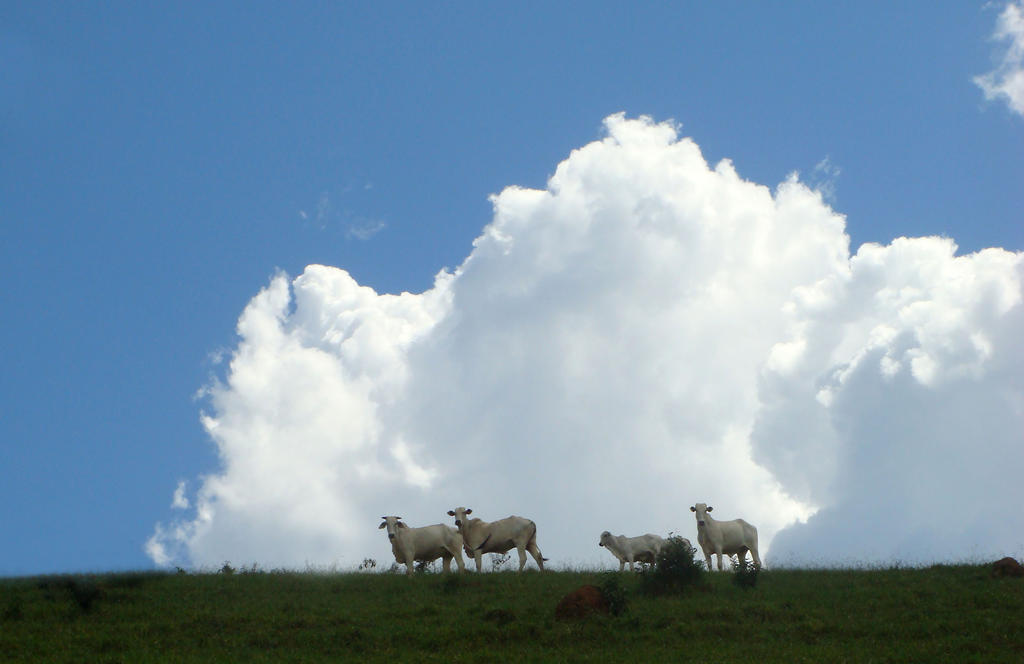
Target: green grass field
point(938, 614)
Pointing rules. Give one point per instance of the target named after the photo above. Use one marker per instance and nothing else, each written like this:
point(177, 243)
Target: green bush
point(674, 571)
point(614, 593)
point(745, 572)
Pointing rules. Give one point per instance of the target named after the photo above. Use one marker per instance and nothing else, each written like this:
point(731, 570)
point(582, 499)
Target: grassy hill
point(938, 614)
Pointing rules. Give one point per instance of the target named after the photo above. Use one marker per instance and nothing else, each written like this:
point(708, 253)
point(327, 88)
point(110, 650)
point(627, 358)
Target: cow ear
point(451, 512)
point(692, 508)
point(469, 511)
point(710, 508)
point(401, 525)
point(382, 525)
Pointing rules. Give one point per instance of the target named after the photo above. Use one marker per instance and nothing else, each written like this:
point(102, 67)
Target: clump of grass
point(451, 583)
point(83, 591)
point(500, 617)
point(675, 571)
point(15, 609)
point(85, 594)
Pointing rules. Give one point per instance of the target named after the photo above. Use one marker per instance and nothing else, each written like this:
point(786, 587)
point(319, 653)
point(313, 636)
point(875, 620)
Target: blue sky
point(162, 163)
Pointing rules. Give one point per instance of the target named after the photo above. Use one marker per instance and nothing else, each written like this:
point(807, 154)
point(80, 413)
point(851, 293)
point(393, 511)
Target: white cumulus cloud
point(1006, 81)
point(648, 332)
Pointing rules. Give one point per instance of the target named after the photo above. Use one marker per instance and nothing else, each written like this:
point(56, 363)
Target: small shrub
point(227, 570)
point(745, 573)
point(367, 565)
point(674, 570)
point(424, 567)
point(613, 593)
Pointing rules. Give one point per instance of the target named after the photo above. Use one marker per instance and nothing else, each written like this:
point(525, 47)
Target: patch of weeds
point(129, 580)
point(613, 593)
point(745, 573)
point(675, 571)
point(227, 569)
point(85, 595)
point(15, 609)
point(500, 617)
point(368, 565)
point(424, 567)
point(451, 584)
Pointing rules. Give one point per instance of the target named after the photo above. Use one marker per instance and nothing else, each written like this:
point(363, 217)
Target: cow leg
point(622, 565)
point(479, 558)
point(446, 559)
point(457, 555)
point(521, 550)
point(535, 552)
point(757, 558)
point(408, 566)
point(719, 554)
point(631, 564)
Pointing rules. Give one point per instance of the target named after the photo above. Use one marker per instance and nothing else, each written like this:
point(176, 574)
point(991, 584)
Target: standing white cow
point(423, 544)
point(642, 549)
point(724, 537)
point(500, 536)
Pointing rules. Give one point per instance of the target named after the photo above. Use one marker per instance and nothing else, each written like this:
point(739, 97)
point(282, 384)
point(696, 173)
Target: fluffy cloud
point(1006, 81)
point(646, 333)
point(896, 405)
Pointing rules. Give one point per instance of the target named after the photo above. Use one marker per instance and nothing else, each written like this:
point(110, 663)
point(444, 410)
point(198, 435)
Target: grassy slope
point(954, 614)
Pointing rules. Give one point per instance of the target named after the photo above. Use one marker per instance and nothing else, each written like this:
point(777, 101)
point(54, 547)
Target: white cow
point(643, 549)
point(423, 544)
point(500, 536)
point(724, 537)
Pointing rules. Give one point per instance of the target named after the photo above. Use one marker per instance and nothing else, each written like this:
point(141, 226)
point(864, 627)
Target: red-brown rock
point(1007, 567)
point(580, 603)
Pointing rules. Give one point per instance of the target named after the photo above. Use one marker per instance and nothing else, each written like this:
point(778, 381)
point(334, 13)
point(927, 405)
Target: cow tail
point(533, 538)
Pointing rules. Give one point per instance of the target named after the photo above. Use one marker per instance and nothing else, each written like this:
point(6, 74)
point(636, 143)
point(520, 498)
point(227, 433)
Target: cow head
point(605, 538)
point(392, 523)
point(700, 510)
point(460, 515)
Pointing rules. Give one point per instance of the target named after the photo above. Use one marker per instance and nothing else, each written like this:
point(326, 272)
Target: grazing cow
point(500, 536)
point(724, 537)
point(423, 544)
point(642, 549)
